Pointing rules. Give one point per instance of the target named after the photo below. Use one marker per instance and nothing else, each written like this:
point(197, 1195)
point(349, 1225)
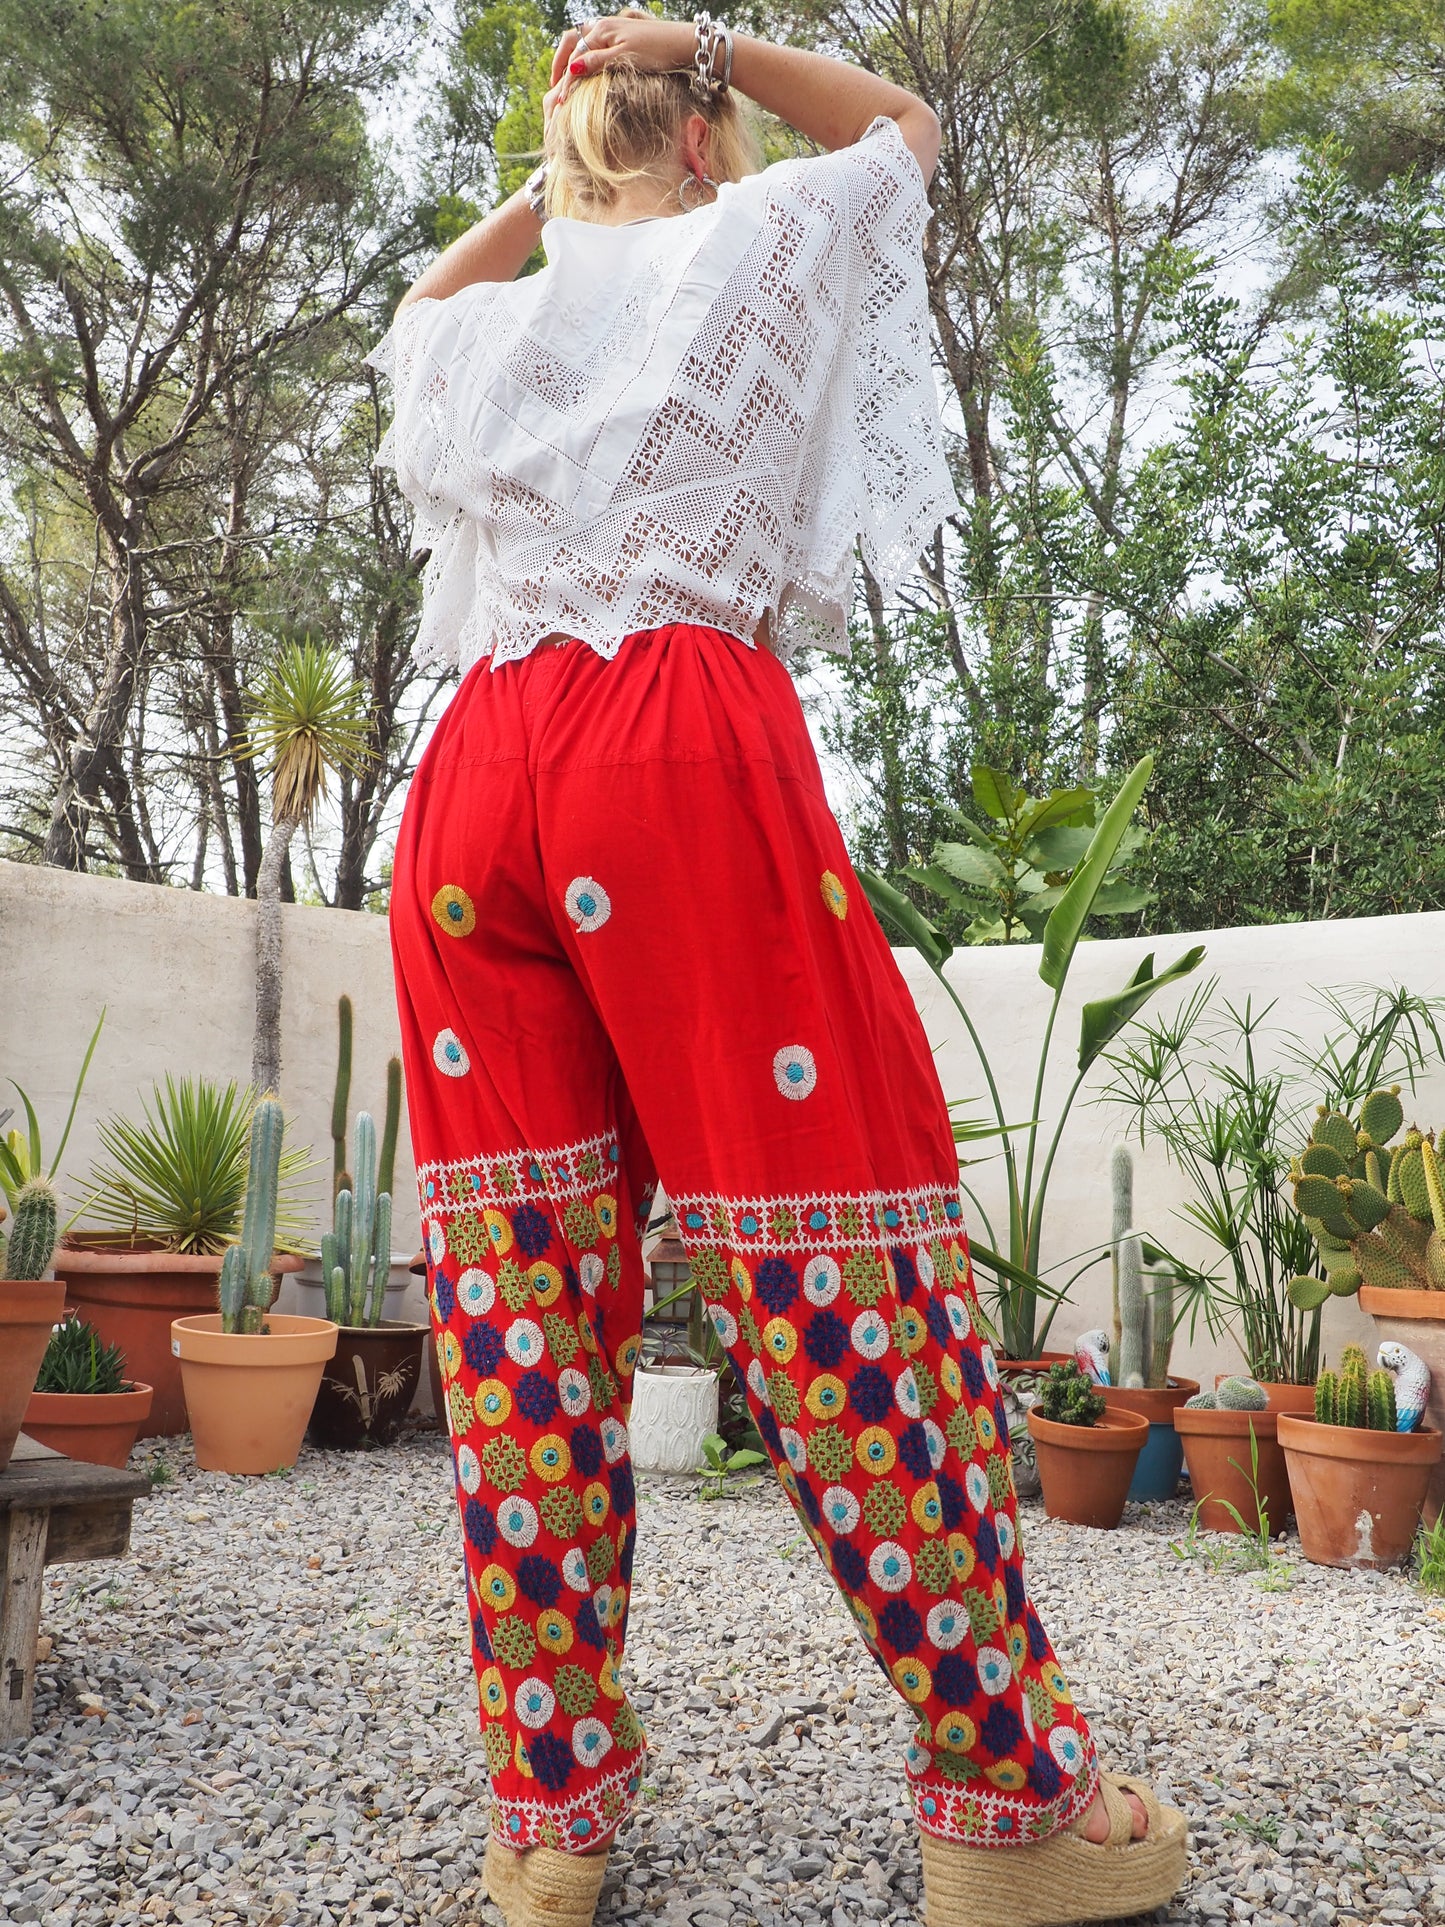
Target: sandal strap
point(1121, 1816)
point(1144, 1794)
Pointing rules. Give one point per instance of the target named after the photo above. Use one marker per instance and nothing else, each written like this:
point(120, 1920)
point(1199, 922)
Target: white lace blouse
point(688, 419)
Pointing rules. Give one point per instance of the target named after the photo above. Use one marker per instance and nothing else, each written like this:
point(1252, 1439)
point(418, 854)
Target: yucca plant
point(309, 719)
point(177, 1178)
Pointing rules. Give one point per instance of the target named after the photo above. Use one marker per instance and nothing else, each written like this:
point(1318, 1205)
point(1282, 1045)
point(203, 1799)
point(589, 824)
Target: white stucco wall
point(175, 972)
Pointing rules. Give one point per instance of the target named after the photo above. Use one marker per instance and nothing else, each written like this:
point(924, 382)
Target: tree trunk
point(266, 1044)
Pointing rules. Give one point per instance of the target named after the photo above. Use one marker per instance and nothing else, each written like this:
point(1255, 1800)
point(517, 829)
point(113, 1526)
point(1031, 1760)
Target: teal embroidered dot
point(818, 1221)
point(748, 1225)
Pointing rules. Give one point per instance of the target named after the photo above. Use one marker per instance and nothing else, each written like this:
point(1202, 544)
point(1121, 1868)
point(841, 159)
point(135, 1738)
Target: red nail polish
point(577, 67)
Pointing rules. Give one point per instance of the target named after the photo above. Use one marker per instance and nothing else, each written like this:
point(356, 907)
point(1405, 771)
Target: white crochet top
point(687, 419)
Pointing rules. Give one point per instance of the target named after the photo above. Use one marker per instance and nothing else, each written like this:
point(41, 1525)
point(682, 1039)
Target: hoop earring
point(699, 181)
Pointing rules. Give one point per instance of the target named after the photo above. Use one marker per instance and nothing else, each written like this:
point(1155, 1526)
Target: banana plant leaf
point(906, 917)
point(1066, 925)
point(975, 868)
point(1107, 1016)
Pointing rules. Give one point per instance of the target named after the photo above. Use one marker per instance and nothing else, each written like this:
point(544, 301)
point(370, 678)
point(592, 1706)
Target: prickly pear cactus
point(1376, 1208)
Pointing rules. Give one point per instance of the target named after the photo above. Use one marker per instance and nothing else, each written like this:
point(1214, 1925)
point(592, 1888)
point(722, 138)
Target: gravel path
point(266, 1715)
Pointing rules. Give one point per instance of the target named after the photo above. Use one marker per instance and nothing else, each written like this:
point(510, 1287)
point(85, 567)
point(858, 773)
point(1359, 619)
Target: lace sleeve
point(875, 471)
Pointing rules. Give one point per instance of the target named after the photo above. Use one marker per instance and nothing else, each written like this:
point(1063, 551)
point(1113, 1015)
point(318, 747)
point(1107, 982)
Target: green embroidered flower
point(884, 1509)
point(561, 1511)
point(627, 1729)
point(927, 1387)
point(498, 1744)
point(1041, 1704)
point(830, 1451)
point(1000, 1484)
point(576, 1690)
point(589, 1166)
point(710, 1273)
point(932, 1567)
point(601, 1557)
point(514, 1285)
point(612, 1802)
point(783, 1397)
point(464, 1415)
point(850, 1220)
point(514, 1642)
point(782, 1222)
point(561, 1337)
point(614, 1266)
point(467, 1240)
point(505, 1463)
point(579, 1224)
point(748, 1328)
point(864, 1277)
point(960, 1433)
point(462, 1186)
point(982, 1616)
point(604, 1385)
point(956, 1767)
point(504, 1178)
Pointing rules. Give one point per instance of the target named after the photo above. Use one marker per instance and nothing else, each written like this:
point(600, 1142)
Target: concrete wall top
point(174, 969)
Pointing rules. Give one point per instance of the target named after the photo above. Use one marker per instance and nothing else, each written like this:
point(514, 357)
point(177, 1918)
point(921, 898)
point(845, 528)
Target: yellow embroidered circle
point(554, 1632)
point(834, 895)
point(454, 911)
point(551, 1459)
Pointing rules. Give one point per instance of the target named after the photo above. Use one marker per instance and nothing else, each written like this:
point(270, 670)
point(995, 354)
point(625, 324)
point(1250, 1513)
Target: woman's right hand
point(656, 46)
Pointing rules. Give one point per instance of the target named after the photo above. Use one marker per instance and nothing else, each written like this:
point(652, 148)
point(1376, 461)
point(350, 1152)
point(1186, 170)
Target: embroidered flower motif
point(726, 1327)
point(834, 895)
point(496, 1588)
point(937, 1443)
point(912, 1679)
point(841, 1509)
point(436, 1250)
point(927, 1508)
point(869, 1335)
point(890, 1568)
point(493, 1402)
point(574, 1570)
point(958, 1317)
point(448, 1056)
point(591, 1271)
point(1007, 1539)
point(876, 1451)
point(534, 1703)
point(476, 1293)
point(826, 1396)
point(517, 1522)
point(947, 1628)
point(794, 1451)
point(990, 1368)
point(995, 1674)
point(469, 1469)
point(591, 1742)
point(614, 1440)
point(794, 1071)
point(975, 1481)
point(550, 1458)
point(454, 911)
point(1067, 1750)
point(905, 1391)
point(525, 1343)
point(588, 904)
point(822, 1281)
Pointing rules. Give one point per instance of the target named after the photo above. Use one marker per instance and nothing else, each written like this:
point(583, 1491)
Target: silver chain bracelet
point(536, 191)
point(707, 82)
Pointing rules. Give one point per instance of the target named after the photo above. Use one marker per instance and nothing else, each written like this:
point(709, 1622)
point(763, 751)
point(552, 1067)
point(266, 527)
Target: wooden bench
point(53, 1511)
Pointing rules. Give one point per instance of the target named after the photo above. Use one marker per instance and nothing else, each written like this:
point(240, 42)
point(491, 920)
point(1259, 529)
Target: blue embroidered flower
point(953, 1499)
point(825, 1339)
point(1038, 1638)
point(588, 904)
point(973, 1374)
point(794, 1071)
point(1014, 1591)
point(914, 1452)
point(539, 1579)
point(624, 1493)
point(768, 1428)
point(870, 1393)
point(536, 1397)
point(1002, 1731)
point(935, 1316)
point(586, 1450)
point(551, 1761)
point(900, 1625)
point(624, 1563)
point(955, 1680)
point(445, 1294)
point(985, 1544)
point(850, 1565)
point(808, 1503)
point(1044, 1776)
point(480, 1639)
point(482, 1345)
point(481, 1526)
point(587, 1627)
point(906, 1273)
point(532, 1230)
point(776, 1283)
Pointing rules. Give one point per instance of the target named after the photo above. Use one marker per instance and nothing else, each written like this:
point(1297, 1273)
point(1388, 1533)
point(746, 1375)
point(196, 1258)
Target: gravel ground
point(266, 1715)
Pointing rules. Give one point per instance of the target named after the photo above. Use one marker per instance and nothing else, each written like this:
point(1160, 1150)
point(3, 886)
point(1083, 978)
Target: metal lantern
point(670, 1273)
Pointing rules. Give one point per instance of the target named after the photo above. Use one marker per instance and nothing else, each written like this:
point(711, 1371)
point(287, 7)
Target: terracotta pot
point(1014, 1367)
point(249, 1394)
point(1281, 1397)
point(98, 1428)
point(1417, 1319)
point(1217, 1452)
point(29, 1312)
point(1156, 1476)
point(367, 1386)
point(132, 1298)
point(1086, 1469)
point(1358, 1493)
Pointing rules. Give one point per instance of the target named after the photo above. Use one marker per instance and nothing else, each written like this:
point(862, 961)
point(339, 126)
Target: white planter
point(674, 1408)
point(311, 1293)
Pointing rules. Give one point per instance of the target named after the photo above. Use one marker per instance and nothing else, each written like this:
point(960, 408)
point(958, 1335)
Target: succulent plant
point(1143, 1298)
point(1202, 1402)
point(31, 1244)
point(1241, 1395)
point(1355, 1396)
point(1067, 1396)
point(356, 1252)
point(1376, 1208)
point(341, 1096)
point(245, 1283)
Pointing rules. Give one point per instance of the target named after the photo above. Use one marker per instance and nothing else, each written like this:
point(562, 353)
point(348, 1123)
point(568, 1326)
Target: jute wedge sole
point(543, 1888)
point(1063, 1880)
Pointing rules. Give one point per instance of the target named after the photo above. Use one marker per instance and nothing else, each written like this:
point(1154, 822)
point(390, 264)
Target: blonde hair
point(621, 124)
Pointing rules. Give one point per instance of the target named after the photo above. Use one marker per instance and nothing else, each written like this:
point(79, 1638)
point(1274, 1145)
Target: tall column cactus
point(1161, 1301)
point(31, 1244)
point(356, 1252)
point(1121, 1195)
point(1134, 1343)
point(341, 1096)
point(386, 1165)
point(245, 1284)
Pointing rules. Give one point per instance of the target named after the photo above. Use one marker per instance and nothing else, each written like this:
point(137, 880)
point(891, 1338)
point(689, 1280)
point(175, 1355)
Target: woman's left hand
point(657, 46)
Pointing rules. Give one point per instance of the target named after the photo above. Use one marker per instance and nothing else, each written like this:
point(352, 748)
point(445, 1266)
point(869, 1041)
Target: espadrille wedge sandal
point(1065, 1879)
point(543, 1888)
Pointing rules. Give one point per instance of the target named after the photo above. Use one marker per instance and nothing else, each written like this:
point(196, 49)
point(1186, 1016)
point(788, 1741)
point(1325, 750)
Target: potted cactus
point(1236, 1467)
point(367, 1386)
point(1086, 1453)
point(84, 1404)
point(249, 1373)
point(1361, 1466)
point(1375, 1202)
point(1144, 1323)
point(30, 1303)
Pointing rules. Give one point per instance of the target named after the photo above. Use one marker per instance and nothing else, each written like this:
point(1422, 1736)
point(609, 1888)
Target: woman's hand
point(656, 46)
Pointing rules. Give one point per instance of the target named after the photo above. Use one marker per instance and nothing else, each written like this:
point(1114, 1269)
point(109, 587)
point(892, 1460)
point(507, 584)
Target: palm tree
point(309, 717)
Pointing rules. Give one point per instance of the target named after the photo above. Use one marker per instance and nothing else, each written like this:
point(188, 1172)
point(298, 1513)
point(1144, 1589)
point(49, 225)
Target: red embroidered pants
point(628, 943)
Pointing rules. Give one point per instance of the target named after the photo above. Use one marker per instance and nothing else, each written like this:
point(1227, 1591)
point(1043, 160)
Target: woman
point(629, 945)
